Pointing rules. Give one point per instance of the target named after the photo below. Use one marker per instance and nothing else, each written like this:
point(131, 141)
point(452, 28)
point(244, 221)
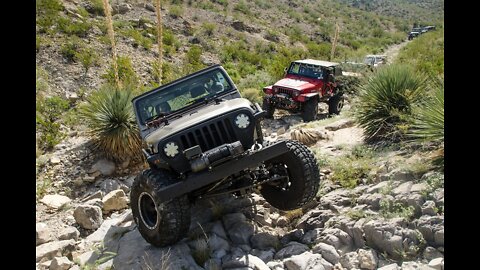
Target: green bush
point(425, 53)
point(386, 100)
point(41, 84)
point(87, 57)
point(429, 115)
point(96, 7)
point(48, 112)
point(176, 11)
point(69, 27)
point(71, 48)
point(256, 80)
point(252, 94)
point(47, 13)
point(242, 7)
point(208, 28)
point(126, 73)
point(138, 38)
point(109, 116)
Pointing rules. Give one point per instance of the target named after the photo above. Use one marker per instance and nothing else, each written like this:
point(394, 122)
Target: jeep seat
point(197, 91)
point(163, 107)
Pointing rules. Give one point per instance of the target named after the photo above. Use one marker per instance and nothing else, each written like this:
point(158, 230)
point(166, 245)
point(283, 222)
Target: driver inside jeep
point(214, 86)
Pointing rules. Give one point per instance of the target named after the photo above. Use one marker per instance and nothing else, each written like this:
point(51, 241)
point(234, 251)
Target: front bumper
point(204, 178)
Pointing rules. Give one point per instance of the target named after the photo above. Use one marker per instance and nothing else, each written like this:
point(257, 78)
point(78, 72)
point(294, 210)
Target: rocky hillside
point(376, 209)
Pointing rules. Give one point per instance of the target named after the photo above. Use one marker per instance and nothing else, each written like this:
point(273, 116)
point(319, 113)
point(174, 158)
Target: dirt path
point(393, 50)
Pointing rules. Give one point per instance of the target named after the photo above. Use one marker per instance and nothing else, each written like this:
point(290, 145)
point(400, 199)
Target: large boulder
point(292, 248)
point(307, 260)
point(328, 252)
point(368, 259)
point(134, 253)
point(238, 229)
point(60, 263)
point(104, 167)
point(55, 201)
point(264, 240)
point(50, 250)
point(115, 200)
point(88, 216)
point(43, 234)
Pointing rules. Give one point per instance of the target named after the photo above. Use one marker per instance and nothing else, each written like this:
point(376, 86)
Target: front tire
point(310, 110)
point(303, 178)
point(335, 104)
point(160, 224)
point(269, 108)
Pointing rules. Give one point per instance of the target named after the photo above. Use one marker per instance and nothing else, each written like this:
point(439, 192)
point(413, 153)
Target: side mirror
point(285, 70)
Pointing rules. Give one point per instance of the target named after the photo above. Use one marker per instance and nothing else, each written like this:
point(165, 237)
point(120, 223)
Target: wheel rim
point(148, 210)
point(281, 170)
point(340, 105)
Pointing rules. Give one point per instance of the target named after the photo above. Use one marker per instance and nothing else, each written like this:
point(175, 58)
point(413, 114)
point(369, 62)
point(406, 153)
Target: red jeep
point(306, 83)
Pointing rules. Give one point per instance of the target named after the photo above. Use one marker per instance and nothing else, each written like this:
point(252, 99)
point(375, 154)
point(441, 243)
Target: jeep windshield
point(184, 94)
point(306, 70)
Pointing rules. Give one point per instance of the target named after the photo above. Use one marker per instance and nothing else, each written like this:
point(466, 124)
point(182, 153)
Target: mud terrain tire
point(310, 110)
point(161, 224)
point(335, 104)
point(304, 177)
point(268, 108)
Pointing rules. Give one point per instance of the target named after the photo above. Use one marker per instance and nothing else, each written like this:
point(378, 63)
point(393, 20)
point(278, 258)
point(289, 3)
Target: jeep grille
point(285, 91)
point(209, 136)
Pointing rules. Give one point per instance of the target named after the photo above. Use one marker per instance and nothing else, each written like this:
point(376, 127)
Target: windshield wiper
point(151, 120)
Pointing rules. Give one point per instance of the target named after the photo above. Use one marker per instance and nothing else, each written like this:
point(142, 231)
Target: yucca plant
point(385, 102)
point(428, 122)
point(109, 116)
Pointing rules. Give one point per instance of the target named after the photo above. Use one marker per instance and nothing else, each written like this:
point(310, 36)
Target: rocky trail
point(393, 50)
point(394, 221)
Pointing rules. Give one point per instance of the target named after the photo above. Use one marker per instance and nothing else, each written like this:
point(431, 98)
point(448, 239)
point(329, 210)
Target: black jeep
point(203, 139)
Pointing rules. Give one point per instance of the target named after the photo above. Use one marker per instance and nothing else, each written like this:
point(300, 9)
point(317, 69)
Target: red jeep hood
point(296, 84)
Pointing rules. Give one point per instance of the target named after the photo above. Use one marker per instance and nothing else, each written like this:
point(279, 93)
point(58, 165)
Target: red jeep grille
point(285, 91)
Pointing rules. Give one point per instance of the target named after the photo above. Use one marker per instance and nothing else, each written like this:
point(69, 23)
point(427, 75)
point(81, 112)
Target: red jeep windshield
point(306, 70)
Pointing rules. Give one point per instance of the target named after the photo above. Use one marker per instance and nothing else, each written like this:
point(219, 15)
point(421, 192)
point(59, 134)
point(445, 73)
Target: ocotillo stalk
point(159, 40)
point(108, 15)
point(334, 44)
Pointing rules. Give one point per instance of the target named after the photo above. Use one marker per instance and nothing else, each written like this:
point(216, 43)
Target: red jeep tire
point(310, 110)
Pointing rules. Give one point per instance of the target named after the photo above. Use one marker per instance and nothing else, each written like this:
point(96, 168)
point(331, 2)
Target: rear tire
point(310, 110)
point(335, 104)
point(300, 165)
point(160, 224)
point(269, 108)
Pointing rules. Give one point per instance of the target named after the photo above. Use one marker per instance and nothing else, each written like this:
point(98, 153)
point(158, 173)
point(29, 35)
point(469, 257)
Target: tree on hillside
point(159, 40)
point(108, 16)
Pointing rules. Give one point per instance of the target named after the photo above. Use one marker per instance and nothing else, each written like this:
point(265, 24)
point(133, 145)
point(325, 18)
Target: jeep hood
point(298, 84)
point(195, 116)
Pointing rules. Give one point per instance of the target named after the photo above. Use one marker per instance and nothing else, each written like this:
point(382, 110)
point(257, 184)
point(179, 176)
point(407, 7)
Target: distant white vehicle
point(375, 60)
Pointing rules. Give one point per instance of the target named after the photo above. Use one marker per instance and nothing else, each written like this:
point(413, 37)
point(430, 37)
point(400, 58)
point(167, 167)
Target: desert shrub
point(349, 84)
point(192, 60)
point(256, 80)
point(87, 57)
point(252, 94)
point(386, 100)
point(109, 116)
point(47, 13)
point(71, 48)
point(96, 7)
point(242, 7)
point(41, 83)
point(70, 27)
point(349, 171)
point(126, 73)
point(48, 112)
point(138, 38)
point(209, 28)
point(176, 11)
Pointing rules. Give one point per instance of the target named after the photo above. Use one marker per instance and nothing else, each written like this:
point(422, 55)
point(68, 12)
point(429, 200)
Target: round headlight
point(171, 149)
point(242, 121)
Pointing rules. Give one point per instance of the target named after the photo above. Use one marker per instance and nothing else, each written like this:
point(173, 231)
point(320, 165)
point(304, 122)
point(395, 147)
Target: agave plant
point(428, 123)
point(111, 121)
point(385, 102)
point(429, 115)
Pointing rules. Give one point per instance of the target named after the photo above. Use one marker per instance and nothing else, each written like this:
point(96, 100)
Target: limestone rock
point(88, 216)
